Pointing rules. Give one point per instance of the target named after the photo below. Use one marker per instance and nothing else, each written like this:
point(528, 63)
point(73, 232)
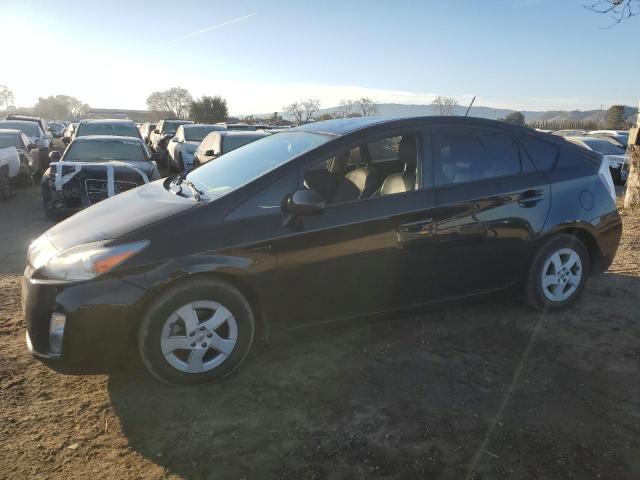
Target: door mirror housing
point(55, 156)
point(210, 153)
point(304, 202)
point(66, 140)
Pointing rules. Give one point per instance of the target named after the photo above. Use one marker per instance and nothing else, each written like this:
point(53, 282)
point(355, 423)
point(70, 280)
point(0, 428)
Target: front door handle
point(530, 198)
point(418, 228)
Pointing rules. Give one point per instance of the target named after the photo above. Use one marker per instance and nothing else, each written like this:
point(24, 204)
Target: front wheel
point(197, 331)
point(558, 273)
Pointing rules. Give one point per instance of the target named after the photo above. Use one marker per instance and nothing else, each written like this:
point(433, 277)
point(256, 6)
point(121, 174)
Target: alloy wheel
point(561, 275)
point(198, 336)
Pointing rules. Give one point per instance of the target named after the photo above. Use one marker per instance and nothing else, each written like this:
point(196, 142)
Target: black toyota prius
point(329, 221)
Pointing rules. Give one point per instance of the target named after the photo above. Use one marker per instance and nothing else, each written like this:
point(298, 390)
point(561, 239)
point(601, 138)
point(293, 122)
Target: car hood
point(118, 215)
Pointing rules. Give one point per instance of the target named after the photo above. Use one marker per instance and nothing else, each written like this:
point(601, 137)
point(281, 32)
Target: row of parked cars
point(611, 144)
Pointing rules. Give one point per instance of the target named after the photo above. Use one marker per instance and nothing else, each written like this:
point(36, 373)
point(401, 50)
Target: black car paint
point(443, 243)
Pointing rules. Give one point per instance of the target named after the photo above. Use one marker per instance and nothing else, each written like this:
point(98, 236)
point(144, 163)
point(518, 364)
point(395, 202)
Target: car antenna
point(470, 105)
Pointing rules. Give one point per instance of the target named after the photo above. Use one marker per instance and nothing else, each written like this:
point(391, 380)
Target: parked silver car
point(184, 143)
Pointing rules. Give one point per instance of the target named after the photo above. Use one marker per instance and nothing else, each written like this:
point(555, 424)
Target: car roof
point(108, 120)
point(192, 125)
point(19, 122)
point(108, 138)
point(582, 138)
point(343, 126)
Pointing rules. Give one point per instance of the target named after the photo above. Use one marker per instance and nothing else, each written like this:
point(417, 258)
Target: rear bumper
point(608, 231)
point(100, 322)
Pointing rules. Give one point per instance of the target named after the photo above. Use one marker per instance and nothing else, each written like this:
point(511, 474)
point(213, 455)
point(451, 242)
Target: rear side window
point(468, 155)
point(542, 154)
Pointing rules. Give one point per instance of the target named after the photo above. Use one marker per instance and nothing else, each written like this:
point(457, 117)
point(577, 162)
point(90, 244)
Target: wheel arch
point(260, 316)
point(584, 234)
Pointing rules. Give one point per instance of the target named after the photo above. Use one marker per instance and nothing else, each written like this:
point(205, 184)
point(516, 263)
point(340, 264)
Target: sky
point(261, 56)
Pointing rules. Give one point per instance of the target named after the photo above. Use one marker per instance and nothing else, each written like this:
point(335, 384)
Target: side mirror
point(304, 202)
point(210, 153)
point(66, 140)
point(156, 131)
point(55, 156)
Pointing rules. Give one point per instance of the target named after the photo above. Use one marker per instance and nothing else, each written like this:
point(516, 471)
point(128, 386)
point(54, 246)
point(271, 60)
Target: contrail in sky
point(208, 29)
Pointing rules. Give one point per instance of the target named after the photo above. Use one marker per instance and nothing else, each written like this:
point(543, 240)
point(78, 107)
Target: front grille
point(98, 190)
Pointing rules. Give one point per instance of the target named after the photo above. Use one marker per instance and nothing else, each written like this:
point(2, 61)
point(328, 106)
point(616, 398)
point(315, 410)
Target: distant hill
point(400, 110)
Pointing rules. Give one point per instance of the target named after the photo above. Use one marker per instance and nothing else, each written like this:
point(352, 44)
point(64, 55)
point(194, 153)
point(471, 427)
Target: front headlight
point(87, 261)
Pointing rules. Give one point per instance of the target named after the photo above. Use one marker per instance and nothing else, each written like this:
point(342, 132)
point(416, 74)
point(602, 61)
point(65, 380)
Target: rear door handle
point(418, 228)
point(530, 198)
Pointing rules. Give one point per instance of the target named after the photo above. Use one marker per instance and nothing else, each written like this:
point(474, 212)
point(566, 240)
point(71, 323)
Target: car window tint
point(542, 153)
point(468, 155)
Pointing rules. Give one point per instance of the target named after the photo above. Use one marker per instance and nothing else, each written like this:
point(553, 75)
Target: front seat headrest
point(408, 152)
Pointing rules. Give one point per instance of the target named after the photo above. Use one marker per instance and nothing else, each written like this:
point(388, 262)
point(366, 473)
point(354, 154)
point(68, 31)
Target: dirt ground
point(491, 390)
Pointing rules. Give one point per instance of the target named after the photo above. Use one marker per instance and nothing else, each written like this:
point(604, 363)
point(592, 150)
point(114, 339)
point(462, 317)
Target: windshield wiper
point(182, 178)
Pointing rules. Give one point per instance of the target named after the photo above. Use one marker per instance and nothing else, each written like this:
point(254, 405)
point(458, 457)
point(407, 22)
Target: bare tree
point(296, 111)
point(345, 109)
point(6, 96)
point(310, 107)
point(303, 111)
point(617, 10)
point(173, 102)
point(367, 107)
point(445, 105)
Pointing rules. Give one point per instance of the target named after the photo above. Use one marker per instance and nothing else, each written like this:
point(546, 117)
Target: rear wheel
point(198, 331)
point(558, 273)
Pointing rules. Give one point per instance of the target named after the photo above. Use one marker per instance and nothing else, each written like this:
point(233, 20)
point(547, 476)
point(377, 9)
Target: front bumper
point(101, 319)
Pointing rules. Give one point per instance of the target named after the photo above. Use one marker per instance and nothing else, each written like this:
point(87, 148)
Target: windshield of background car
point(231, 142)
point(171, 127)
point(30, 129)
point(10, 140)
point(101, 150)
point(604, 147)
point(237, 168)
point(118, 129)
point(197, 134)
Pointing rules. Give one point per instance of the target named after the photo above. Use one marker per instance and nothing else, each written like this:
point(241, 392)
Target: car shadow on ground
point(491, 387)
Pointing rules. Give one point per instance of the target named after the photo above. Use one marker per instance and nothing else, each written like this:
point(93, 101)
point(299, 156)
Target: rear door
point(491, 204)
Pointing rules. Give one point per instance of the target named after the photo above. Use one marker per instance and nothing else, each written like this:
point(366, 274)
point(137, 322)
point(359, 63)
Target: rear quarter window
point(542, 154)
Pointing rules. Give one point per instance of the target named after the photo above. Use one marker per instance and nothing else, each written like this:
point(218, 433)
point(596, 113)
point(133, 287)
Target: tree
point(617, 10)
point(515, 118)
point(345, 108)
point(174, 102)
point(325, 116)
point(367, 107)
point(615, 118)
point(6, 96)
point(60, 107)
point(303, 111)
point(445, 105)
point(209, 109)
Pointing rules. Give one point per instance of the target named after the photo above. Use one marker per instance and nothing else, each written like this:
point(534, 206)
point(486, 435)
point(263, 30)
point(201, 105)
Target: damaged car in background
point(15, 143)
point(36, 135)
point(163, 133)
point(94, 168)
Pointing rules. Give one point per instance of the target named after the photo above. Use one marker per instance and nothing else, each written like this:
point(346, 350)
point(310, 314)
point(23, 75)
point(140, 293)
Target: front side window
point(10, 140)
point(99, 151)
point(468, 154)
point(231, 142)
point(603, 147)
point(373, 169)
point(237, 168)
point(198, 133)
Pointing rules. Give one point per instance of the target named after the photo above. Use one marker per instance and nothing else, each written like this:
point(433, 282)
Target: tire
point(6, 188)
point(163, 328)
point(550, 287)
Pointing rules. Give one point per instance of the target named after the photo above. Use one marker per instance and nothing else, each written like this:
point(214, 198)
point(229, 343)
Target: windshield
point(10, 141)
point(604, 147)
point(100, 150)
point(197, 134)
point(171, 127)
point(118, 129)
point(237, 168)
point(30, 129)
